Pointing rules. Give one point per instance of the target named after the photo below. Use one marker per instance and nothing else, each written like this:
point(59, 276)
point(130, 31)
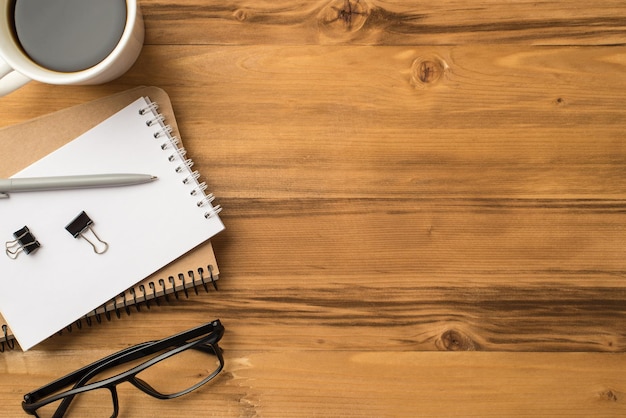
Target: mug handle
point(10, 80)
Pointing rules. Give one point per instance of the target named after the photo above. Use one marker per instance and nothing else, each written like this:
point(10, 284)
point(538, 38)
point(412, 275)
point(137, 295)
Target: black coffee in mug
point(69, 35)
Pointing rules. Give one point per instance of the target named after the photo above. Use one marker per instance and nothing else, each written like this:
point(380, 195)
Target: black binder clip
point(24, 242)
point(81, 227)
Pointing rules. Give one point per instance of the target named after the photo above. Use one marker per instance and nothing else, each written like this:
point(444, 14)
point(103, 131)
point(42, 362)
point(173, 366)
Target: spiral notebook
point(195, 272)
point(146, 226)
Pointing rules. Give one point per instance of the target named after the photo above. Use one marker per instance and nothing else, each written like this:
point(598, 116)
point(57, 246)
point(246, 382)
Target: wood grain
point(386, 22)
point(425, 207)
point(300, 383)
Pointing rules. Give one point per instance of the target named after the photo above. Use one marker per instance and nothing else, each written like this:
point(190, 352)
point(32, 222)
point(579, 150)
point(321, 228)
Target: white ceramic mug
point(17, 68)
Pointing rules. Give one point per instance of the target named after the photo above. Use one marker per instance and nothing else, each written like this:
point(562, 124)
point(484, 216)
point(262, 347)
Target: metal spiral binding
point(7, 343)
point(158, 119)
point(151, 107)
point(184, 165)
point(165, 131)
point(157, 293)
point(187, 163)
point(170, 143)
point(206, 200)
point(194, 176)
point(200, 189)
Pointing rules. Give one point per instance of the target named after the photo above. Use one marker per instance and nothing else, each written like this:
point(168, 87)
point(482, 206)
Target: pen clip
point(4, 195)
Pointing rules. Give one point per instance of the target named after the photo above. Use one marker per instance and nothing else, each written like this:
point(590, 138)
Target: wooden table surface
point(425, 207)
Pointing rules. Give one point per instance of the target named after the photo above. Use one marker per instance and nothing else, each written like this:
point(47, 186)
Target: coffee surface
point(69, 35)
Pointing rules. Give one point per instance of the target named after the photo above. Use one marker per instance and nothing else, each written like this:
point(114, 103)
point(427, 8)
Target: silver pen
point(34, 184)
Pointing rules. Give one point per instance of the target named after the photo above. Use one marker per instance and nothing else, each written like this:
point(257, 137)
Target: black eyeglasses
point(179, 365)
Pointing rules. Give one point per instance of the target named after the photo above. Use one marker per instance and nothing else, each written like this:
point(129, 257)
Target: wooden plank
point(395, 237)
point(367, 383)
point(394, 22)
point(407, 312)
point(532, 109)
point(483, 87)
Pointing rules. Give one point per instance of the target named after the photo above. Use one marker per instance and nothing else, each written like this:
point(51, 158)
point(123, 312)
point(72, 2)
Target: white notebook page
point(146, 226)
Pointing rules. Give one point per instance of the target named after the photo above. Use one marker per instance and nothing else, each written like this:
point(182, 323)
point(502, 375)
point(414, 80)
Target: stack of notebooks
point(157, 233)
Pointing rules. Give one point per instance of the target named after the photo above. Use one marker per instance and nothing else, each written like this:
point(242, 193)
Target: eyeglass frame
point(214, 331)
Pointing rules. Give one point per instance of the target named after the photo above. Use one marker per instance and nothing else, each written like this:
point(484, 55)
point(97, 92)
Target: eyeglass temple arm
point(76, 375)
point(65, 403)
point(147, 349)
point(124, 356)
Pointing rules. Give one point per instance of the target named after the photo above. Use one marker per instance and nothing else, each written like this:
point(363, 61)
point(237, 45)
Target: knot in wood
point(453, 340)
point(344, 16)
point(609, 395)
point(240, 15)
point(427, 71)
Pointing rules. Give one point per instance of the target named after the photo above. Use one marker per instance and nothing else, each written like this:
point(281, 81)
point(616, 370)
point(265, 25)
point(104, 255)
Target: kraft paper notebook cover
point(44, 135)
